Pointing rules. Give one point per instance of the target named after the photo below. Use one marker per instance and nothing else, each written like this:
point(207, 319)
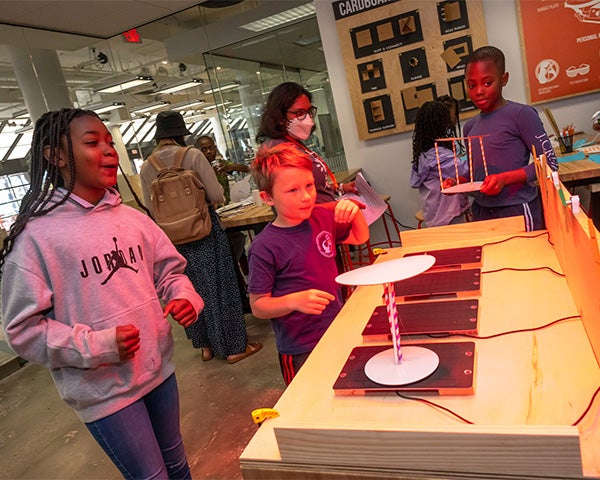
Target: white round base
point(416, 364)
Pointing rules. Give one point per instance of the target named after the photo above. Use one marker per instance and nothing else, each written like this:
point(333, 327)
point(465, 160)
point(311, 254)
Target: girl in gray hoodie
point(83, 277)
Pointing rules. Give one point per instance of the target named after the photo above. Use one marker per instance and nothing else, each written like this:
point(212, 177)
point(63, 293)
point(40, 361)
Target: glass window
point(22, 147)
point(142, 134)
point(220, 88)
point(12, 189)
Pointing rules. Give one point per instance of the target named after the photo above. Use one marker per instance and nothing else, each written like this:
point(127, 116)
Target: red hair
point(269, 160)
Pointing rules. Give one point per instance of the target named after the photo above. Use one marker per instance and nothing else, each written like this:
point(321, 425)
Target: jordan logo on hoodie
point(114, 261)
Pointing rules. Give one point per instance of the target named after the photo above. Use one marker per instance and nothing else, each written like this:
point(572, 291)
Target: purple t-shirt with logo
point(287, 260)
point(508, 136)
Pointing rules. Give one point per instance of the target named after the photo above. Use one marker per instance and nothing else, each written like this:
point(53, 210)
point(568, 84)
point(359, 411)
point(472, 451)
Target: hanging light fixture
point(150, 107)
point(228, 86)
point(188, 105)
point(194, 82)
point(218, 105)
point(106, 107)
point(21, 114)
point(139, 80)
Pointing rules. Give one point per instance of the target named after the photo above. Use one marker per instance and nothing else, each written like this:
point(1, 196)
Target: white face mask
point(301, 129)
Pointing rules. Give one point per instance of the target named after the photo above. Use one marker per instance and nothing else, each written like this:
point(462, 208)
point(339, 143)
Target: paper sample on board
point(374, 204)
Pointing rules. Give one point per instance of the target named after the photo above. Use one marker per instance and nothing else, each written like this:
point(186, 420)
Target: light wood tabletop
point(345, 176)
point(578, 172)
point(584, 172)
point(247, 217)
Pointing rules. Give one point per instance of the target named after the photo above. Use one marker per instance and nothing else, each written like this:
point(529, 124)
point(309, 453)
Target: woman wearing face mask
point(288, 117)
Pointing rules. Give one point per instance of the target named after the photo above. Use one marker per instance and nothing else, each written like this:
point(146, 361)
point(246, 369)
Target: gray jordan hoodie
point(73, 276)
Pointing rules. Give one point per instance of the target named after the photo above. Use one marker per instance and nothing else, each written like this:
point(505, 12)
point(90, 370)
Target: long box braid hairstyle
point(44, 173)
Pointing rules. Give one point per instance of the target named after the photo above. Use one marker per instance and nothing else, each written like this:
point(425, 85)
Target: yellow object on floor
point(261, 414)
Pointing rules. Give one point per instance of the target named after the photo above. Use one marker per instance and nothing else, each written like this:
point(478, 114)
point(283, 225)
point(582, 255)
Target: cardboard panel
point(392, 32)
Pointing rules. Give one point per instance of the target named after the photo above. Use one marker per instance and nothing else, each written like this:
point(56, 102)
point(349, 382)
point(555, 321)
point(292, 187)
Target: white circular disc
point(416, 364)
point(387, 272)
point(463, 187)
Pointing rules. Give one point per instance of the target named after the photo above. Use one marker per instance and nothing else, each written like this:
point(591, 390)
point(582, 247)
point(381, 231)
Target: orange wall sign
point(561, 47)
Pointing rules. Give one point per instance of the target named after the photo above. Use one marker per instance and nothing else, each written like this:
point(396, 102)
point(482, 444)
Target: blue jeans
point(143, 440)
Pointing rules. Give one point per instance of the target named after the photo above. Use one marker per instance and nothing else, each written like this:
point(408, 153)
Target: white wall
point(386, 161)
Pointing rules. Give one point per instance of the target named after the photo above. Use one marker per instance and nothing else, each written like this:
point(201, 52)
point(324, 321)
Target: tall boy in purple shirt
point(510, 130)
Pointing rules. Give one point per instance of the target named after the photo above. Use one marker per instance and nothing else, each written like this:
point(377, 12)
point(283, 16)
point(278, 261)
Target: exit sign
point(132, 36)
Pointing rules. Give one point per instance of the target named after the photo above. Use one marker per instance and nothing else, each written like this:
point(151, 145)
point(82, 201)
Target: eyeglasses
point(301, 114)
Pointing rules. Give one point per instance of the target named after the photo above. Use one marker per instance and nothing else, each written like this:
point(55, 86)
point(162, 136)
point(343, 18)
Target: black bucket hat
point(169, 125)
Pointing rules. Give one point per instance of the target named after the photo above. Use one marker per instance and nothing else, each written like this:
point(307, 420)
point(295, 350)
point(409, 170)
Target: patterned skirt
point(221, 325)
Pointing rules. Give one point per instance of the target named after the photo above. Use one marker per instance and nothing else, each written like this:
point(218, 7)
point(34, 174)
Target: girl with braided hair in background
point(456, 131)
point(83, 277)
point(433, 122)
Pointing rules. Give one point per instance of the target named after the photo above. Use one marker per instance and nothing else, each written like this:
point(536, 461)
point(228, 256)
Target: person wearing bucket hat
point(170, 125)
point(221, 329)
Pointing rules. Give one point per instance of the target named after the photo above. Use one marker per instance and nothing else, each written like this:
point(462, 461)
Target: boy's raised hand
point(311, 301)
point(128, 341)
point(182, 311)
point(345, 210)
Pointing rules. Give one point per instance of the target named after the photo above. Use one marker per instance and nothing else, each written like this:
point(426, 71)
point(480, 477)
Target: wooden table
point(346, 176)
point(579, 172)
point(529, 387)
point(250, 217)
point(583, 173)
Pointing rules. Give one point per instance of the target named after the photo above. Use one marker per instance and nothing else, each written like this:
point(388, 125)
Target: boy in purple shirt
point(510, 130)
point(292, 261)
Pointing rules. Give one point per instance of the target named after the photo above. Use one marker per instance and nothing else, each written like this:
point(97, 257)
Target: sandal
point(207, 354)
point(251, 349)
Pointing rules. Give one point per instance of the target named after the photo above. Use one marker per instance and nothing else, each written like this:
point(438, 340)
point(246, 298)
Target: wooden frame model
point(461, 187)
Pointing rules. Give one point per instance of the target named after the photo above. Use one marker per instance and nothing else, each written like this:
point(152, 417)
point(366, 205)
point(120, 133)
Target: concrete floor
point(41, 437)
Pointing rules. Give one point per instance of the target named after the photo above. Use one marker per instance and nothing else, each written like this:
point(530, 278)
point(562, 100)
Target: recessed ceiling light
point(292, 15)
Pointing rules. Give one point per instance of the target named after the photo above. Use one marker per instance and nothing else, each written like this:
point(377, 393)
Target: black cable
point(463, 419)
point(522, 269)
point(581, 417)
point(437, 405)
point(532, 329)
point(526, 270)
point(515, 236)
point(402, 225)
point(460, 417)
